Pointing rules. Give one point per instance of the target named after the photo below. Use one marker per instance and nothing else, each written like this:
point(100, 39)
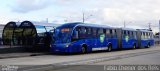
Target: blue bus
point(82, 38)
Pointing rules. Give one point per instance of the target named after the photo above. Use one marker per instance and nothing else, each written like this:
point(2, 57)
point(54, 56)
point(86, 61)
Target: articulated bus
point(82, 38)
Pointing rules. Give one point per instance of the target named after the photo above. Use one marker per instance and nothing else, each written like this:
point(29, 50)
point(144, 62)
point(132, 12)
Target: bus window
point(124, 34)
point(104, 31)
point(149, 34)
point(75, 35)
point(134, 33)
point(89, 32)
point(142, 35)
point(100, 32)
point(108, 33)
point(115, 33)
point(145, 35)
point(94, 32)
point(131, 34)
point(128, 33)
point(83, 30)
point(111, 33)
point(82, 33)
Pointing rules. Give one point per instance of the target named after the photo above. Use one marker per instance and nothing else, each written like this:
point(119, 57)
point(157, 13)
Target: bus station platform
point(15, 52)
point(16, 55)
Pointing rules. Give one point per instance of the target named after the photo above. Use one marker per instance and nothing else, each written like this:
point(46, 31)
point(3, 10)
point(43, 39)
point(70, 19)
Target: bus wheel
point(134, 46)
point(83, 49)
point(148, 45)
point(109, 48)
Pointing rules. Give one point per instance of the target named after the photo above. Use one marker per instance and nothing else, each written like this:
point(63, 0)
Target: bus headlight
point(67, 45)
point(50, 45)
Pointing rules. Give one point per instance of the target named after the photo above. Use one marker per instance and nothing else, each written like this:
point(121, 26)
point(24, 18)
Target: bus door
point(94, 38)
point(90, 38)
point(101, 40)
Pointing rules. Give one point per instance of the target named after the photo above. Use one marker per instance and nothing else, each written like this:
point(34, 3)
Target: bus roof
point(85, 24)
point(129, 29)
point(144, 30)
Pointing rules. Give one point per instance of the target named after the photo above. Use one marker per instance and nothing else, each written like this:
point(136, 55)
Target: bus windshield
point(62, 35)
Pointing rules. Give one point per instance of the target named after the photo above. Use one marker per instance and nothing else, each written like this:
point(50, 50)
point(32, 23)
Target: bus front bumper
point(64, 48)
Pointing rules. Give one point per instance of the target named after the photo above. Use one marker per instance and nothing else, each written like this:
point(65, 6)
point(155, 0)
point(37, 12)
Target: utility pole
point(124, 24)
point(149, 26)
point(83, 17)
point(159, 31)
point(47, 20)
point(159, 26)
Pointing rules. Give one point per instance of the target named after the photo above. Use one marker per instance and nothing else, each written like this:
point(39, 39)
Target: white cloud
point(24, 6)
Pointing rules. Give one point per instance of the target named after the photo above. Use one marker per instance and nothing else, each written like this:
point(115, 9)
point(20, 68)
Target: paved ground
point(136, 56)
point(149, 59)
point(20, 55)
point(144, 61)
point(52, 59)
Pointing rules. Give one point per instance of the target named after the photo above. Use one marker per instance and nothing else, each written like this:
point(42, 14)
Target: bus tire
point(134, 46)
point(148, 45)
point(109, 48)
point(84, 49)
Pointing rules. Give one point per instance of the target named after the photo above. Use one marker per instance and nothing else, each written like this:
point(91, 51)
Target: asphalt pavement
point(50, 62)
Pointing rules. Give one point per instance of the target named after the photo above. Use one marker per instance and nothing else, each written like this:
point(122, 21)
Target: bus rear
point(145, 38)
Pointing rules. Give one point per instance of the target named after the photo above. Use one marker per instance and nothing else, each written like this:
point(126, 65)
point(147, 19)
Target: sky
point(135, 13)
